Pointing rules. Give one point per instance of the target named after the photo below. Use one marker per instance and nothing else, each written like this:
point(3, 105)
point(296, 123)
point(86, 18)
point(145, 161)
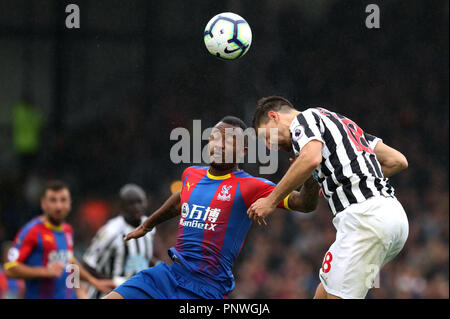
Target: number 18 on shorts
point(369, 235)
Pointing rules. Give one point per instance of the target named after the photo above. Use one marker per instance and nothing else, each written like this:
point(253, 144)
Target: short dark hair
point(270, 103)
point(54, 185)
point(235, 121)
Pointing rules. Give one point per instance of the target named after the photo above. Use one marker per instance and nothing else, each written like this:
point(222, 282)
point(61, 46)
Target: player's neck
point(291, 116)
point(217, 172)
point(131, 221)
point(50, 221)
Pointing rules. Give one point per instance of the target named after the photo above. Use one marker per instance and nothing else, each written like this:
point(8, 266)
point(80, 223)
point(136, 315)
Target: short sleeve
point(23, 245)
point(185, 174)
point(372, 140)
point(305, 128)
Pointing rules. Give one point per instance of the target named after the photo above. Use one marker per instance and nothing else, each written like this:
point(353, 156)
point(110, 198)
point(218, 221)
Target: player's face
point(135, 206)
point(274, 131)
point(56, 205)
point(226, 146)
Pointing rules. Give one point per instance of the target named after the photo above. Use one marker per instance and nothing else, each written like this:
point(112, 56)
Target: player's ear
point(274, 116)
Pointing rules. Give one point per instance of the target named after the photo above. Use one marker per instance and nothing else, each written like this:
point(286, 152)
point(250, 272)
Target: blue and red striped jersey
point(37, 244)
point(214, 221)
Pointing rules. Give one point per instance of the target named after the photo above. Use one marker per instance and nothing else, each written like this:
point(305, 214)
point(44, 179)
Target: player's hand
point(260, 209)
point(55, 269)
point(137, 233)
point(103, 285)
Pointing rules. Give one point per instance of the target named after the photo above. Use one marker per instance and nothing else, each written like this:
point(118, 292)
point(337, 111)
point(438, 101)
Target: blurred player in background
point(352, 168)
point(213, 223)
point(44, 247)
point(109, 256)
point(9, 288)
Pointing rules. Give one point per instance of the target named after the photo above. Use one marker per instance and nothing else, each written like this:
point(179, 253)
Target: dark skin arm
point(307, 199)
point(304, 201)
point(299, 172)
point(168, 210)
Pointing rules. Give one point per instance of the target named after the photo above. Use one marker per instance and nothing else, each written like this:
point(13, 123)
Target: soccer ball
point(228, 36)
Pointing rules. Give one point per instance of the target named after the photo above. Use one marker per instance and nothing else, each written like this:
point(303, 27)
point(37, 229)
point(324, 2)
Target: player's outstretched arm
point(306, 200)
point(168, 210)
point(103, 285)
point(300, 171)
point(391, 160)
point(22, 271)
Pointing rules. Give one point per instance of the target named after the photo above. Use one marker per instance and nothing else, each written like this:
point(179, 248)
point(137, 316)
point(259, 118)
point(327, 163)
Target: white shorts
point(369, 235)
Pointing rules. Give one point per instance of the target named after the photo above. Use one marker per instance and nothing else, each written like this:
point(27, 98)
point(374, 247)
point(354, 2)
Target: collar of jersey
point(217, 177)
point(53, 227)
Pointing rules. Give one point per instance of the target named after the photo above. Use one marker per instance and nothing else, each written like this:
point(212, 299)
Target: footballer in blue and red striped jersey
point(44, 247)
point(38, 244)
point(213, 224)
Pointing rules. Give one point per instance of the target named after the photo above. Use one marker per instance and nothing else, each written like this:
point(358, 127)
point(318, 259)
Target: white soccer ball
point(228, 36)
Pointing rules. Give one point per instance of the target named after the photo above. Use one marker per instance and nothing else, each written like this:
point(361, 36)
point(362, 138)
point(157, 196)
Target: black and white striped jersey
point(349, 172)
point(112, 257)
